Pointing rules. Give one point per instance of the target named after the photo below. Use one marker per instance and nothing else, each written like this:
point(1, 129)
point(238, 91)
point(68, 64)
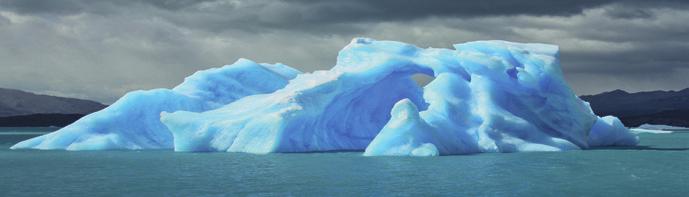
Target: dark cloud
point(385, 10)
point(300, 14)
point(101, 49)
point(633, 13)
point(336, 10)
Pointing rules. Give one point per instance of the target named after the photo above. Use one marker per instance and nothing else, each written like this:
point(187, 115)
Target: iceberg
point(485, 96)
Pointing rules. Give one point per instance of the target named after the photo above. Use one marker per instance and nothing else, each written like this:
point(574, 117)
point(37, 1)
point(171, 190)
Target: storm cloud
point(101, 49)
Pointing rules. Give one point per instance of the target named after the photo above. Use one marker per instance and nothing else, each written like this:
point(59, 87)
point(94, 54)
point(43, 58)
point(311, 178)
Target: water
point(659, 168)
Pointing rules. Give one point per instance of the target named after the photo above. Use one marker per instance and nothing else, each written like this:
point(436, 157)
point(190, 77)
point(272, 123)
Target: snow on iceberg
point(487, 96)
point(133, 122)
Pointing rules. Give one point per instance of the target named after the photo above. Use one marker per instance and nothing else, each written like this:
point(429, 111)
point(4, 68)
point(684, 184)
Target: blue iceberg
point(486, 96)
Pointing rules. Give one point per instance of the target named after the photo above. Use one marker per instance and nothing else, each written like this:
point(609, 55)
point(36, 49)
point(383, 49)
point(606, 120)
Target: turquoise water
point(660, 167)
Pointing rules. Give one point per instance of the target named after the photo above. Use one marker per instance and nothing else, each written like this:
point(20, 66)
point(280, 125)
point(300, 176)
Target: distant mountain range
point(634, 109)
point(20, 108)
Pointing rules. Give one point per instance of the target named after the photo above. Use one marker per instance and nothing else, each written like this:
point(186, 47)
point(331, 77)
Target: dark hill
point(17, 103)
point(24, 109)
point(634, 109)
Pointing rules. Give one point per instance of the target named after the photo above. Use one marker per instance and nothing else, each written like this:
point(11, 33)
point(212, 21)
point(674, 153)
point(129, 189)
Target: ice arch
point(340, 109)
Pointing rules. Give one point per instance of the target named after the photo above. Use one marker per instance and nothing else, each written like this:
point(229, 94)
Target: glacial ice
point(609, 131)
point(486, 96)
point(133, 122)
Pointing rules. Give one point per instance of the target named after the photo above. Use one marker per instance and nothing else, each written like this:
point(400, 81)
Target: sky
point(99, 50)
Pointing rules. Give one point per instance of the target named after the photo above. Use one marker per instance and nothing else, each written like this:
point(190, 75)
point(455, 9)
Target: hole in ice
point(422, 79)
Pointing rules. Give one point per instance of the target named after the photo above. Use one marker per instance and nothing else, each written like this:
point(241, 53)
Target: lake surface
point(659, 167)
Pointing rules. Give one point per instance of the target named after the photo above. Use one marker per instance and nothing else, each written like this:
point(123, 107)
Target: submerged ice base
point(486, 96)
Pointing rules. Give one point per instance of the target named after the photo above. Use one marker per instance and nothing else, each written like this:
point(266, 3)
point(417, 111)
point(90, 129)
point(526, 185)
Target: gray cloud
point(4, 20)
point(102, 49)
point(255, 15)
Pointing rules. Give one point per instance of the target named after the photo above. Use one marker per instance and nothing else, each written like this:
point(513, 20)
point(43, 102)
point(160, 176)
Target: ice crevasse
point(486, 96)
